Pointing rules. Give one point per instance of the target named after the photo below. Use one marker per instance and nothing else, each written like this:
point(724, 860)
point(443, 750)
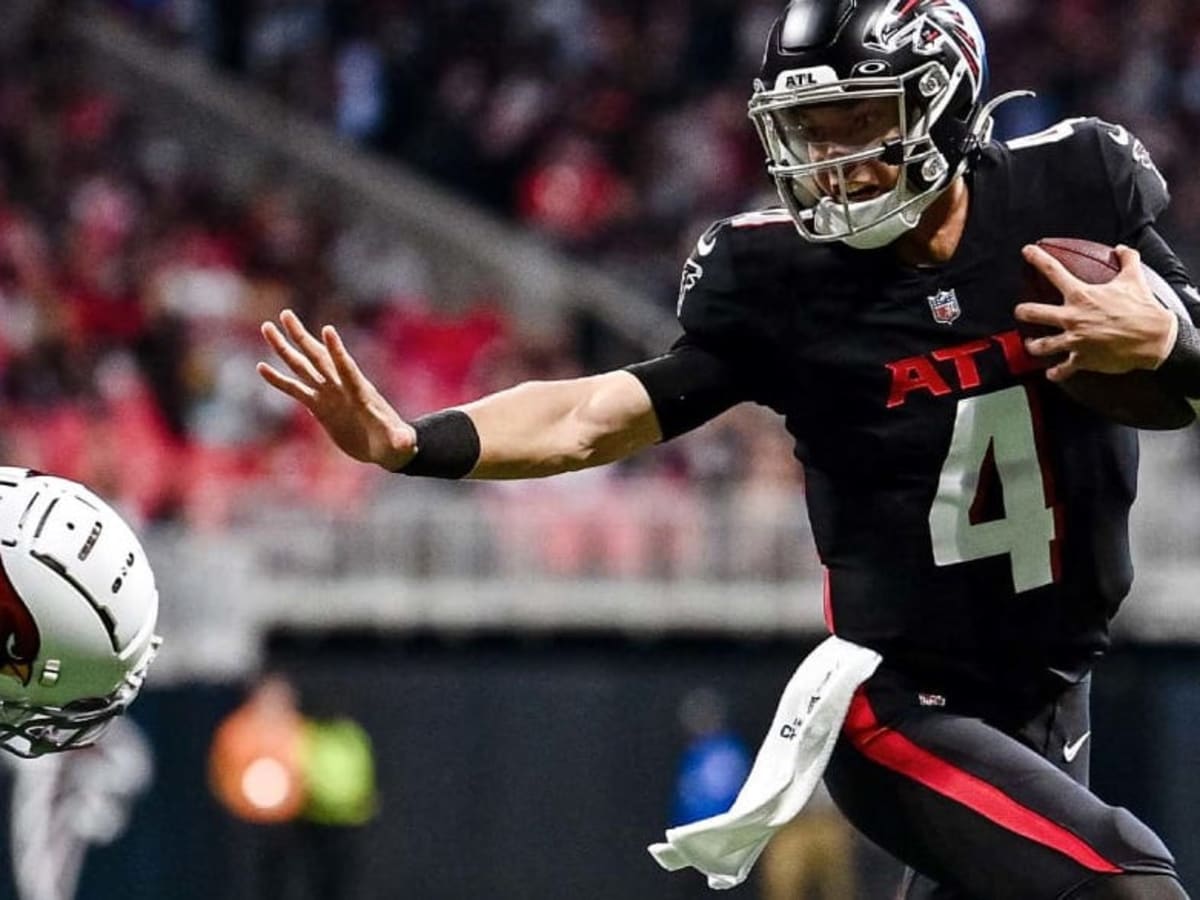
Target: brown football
point(1136, 398)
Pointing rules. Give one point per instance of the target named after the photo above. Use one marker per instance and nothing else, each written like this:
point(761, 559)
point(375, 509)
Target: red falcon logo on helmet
point(20, 640)
point(927, 24)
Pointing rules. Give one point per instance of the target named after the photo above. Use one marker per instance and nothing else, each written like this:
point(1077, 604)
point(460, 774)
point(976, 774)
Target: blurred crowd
point(618, 128)
point(132, 281)
point(131, 290)
point(614, 128)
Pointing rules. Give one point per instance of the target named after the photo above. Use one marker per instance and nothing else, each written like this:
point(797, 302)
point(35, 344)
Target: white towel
point(787, 769)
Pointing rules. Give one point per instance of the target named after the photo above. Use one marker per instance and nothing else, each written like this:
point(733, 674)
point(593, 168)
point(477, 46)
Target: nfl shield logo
point(945, 308)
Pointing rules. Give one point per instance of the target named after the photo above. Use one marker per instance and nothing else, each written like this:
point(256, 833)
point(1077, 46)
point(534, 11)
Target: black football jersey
point(968, 512)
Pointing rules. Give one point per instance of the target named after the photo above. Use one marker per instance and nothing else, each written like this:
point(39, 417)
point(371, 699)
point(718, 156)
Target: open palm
point(327, 381)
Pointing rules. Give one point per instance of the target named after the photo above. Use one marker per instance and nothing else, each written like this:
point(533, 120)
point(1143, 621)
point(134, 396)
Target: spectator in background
point(310, 782)
point(715, 760)
point(572, 193)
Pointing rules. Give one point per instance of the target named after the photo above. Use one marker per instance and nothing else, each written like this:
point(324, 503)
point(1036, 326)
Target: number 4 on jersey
point(994, 435)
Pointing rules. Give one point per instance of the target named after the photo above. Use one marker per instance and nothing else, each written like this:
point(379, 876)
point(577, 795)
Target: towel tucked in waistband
point(787, 769)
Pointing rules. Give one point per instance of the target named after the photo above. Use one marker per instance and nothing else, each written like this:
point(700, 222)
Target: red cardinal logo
point(19, 637)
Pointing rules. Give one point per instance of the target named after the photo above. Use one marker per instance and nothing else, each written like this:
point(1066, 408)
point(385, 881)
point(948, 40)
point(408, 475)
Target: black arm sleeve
point(1158, 255)
point(688, 386)
point(1181, 370)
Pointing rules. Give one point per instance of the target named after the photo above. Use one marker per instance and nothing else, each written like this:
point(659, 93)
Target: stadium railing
point(442, 558)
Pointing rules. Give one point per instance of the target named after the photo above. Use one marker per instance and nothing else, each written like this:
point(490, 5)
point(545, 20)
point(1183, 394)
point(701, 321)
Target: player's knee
point(1131, 887)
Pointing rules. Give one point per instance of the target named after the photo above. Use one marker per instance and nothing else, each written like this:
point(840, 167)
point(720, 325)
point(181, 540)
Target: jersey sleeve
point(1139, 190)
point(701, 376)
point(711, 308)
point(1158, 255)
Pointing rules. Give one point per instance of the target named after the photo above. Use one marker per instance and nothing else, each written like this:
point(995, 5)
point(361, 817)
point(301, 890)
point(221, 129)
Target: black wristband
point(1180, 371)
point(447, 446)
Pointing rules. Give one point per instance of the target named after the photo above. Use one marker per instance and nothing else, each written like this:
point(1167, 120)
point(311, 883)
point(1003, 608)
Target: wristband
point(447, 446)
point(1180, 371)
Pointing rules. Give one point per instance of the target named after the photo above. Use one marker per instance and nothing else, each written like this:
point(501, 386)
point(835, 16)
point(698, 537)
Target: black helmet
point(926, 57)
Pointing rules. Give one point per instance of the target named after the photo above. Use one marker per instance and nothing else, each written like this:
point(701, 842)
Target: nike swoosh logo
point(706, 245)
point(1119, 135)
point(1071, 750)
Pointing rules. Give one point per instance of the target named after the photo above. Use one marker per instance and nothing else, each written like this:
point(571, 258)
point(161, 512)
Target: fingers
point(345, 366)
point(1133, 270)
point(1065, 369)
point(315, 363)
point(290, 386)
point(1043, 314)
point(1052, 345)
point(1059, 318)
point(311, 347)
point(1130, 259)
point(1055, 272)
point(296, 361)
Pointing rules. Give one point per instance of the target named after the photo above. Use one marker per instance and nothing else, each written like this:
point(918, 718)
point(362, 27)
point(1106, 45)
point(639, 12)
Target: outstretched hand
point(328, 382)
point(1113, 328)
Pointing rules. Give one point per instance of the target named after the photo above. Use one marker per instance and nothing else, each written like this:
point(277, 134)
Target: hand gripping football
point(1135, 398)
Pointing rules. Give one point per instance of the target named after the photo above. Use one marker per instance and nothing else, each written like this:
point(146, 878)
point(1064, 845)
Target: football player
point(971, 517)
point(78, 608)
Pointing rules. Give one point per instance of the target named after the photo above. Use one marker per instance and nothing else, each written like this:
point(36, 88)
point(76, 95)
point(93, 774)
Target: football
point(1135, 398)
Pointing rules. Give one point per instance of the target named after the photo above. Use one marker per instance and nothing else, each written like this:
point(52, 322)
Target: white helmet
point(78, 608)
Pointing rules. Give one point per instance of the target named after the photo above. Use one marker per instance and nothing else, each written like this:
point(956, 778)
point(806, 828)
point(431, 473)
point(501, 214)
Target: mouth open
point(866, 192)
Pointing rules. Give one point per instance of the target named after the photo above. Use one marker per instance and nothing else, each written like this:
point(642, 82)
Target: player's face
point(829, 131)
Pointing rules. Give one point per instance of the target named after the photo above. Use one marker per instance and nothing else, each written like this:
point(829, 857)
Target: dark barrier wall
point(531, 769)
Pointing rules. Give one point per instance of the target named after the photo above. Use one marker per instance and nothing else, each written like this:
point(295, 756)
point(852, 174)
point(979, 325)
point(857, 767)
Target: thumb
point(1133, 269)
point(1129, 259)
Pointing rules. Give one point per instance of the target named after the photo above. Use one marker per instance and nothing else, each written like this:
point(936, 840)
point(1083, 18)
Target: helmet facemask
point(28, 730)
point(815, 173)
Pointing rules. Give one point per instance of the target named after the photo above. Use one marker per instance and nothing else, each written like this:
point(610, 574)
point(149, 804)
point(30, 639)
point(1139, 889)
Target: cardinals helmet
point(923, 60)
point(78, 607)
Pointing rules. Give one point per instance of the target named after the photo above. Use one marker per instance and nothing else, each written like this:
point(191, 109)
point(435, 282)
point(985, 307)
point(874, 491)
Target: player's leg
point(1058, 729)
point(975, 809)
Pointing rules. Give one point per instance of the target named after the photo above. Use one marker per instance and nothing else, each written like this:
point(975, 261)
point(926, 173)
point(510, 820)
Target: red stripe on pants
point(894, 751)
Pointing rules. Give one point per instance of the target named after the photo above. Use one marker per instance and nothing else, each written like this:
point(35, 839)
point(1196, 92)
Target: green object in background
point(339, 773)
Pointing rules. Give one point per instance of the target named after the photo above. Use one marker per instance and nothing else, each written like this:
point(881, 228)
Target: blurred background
point(374, 689)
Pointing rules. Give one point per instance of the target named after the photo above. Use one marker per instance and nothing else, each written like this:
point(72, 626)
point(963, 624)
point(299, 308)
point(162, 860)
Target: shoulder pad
point(1090, 152)
point(733, 254)
point(760, 218)
point(1057, 133)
